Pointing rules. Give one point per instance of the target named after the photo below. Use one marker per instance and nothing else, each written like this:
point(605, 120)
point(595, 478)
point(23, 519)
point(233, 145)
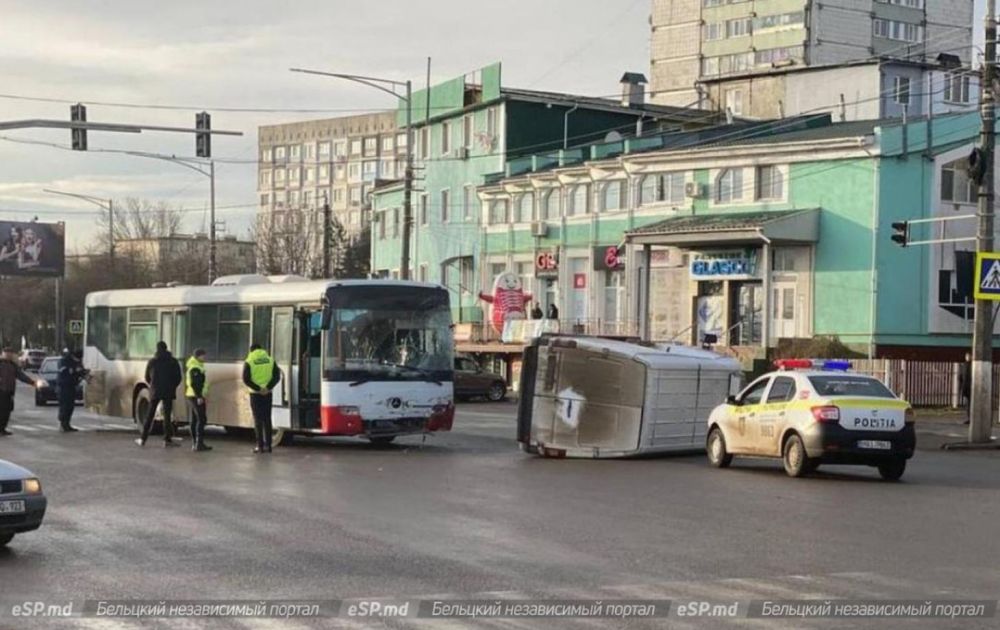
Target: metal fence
point(923, 383)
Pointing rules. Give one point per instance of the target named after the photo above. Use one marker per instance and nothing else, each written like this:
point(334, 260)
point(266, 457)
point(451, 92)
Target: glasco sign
point(723, 266)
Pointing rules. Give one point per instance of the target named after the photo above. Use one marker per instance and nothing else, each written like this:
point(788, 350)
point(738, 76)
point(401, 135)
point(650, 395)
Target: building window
point(293, 198)
point(340, 149)
point(356, 146)
point(499, 211)
point(550, 205)
point(324, 174)
point(354, 171)
point(387, 169)
point(265, 179)
point(387, 144)
point(770, 183)
point(898, 31)
point(774, 56)
point(467, 131)
point(310, 175)
point(468, 194)
point(491, 123)
point(613, 197)
point(425, 143)
point(395, 222)
point(424, 218)
point(307, 199)
point(310, 150)
point(369, 170)
point(380, 229)
point(422, 272)
point(714, 31)
point(295, 151)
point(445, 138)
point(371, 146)
point(265, 155)
point(662, 188)
point(400, 141)
point(265, 199)
point(901, 90)
point(579, 201)
point(729, 185)
point(294, 175)
point(913, 4)
point(956, 87)
point(445, 205)
point(279, 153)
point(782, 21)
point(355, 197)
point(734, 102)
point(339, 172)
point(525, 209)
point(956, 186)
point(737, 28)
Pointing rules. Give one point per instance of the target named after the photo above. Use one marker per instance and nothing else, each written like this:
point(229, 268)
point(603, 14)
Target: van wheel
point(282, 437)
point(497, 392)
point(893, 469)
point(5, 538)
point(716, 448)
point(797, 462)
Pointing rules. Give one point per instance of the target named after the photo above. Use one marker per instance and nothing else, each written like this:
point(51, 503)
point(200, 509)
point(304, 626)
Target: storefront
point(744, 279)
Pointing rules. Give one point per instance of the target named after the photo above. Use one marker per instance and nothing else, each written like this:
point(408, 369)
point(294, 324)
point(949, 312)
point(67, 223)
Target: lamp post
point(198, 167)
point(106, 204)
point(393, 86)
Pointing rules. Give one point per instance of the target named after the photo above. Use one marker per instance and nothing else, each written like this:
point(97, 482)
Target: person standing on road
point(68, 378)
point(10, 374)
point(196, 390)
point(965, 384)
point(163, 375)
point(553, 311)
point(260, 375)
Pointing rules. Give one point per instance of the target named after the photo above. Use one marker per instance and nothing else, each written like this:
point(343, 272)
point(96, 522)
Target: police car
point(811, 412)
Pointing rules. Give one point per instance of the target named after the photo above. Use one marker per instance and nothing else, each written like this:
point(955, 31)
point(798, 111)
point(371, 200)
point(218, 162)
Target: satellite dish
point(613, 136)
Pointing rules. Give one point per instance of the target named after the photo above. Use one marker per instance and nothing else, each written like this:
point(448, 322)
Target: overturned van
point(597, 398)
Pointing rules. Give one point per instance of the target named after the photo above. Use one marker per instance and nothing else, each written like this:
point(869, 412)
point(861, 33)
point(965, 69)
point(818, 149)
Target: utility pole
point(111, 238)
point(404, 263)
point(327, 227)
point(981, 403)
point(212, 268)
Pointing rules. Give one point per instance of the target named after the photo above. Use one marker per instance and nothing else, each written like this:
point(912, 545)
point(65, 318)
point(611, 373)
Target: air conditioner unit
point(462, 153)
point(539, 229)
point(693, 190)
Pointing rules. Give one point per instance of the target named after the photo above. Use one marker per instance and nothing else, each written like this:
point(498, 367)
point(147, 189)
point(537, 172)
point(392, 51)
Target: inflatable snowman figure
point(508, 300)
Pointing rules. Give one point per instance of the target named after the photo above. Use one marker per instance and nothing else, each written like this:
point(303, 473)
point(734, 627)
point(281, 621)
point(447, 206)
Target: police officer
point(68, 378)
point(260, 375)
point(10, 374)
point(196, 390)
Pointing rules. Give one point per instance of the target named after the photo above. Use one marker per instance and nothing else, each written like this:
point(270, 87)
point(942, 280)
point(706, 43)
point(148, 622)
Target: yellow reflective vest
point(261, 368)
point(192, 366)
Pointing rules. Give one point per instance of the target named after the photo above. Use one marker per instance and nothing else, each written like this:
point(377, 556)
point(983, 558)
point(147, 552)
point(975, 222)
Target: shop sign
point(723, 266)
point(608, 258)
point(546, 264)
point(579, 281)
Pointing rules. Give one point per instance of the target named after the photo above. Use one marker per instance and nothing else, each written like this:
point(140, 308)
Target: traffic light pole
point(212, 268)
point(981, 399)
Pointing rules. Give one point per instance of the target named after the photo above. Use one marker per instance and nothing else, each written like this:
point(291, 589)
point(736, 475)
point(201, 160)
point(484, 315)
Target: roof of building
point(609, 104)
point(800, 225)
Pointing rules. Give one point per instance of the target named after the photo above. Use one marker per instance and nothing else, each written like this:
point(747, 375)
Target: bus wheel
point(383, 440)
point(282, 437)
point(140, 409)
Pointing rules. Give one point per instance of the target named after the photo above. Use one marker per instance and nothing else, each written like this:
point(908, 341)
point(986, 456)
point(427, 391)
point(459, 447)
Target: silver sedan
point(22, 504)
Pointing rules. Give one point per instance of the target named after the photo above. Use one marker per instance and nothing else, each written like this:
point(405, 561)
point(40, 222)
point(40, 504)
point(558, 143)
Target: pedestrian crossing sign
point(988, 276)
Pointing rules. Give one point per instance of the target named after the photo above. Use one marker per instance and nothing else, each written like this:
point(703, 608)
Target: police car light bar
point(812, 364)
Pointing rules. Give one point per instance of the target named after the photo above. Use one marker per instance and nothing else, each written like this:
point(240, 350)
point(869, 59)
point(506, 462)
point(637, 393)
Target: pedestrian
point(553, 311)
point(260, 375)
point(965, 384)
point(163, 375)
point(196, 391)
point(536, 312)
point(68, 379)
point(10, 374)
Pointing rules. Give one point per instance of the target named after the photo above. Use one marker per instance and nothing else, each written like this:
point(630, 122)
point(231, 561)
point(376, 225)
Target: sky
point(208, 55)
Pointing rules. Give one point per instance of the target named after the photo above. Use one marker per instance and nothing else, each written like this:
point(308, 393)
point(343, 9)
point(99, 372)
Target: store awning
point(779, 227)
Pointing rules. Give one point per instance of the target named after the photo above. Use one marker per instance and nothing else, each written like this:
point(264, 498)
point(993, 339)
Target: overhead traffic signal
point(901, 233)
point(78, 113)
point(203, 141)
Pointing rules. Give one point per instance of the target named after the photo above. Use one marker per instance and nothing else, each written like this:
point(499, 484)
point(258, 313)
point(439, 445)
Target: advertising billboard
point(32, 249)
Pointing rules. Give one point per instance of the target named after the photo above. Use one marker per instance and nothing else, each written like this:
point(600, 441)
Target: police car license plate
point(882, 445)
point(11, 507)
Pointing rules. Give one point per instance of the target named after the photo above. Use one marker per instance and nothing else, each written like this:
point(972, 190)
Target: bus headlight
point(32, 486)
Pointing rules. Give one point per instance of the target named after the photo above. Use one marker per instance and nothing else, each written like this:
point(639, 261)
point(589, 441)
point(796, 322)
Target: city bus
point(366, 358)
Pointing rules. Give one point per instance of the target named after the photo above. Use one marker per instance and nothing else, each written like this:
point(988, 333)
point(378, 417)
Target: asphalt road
point(465, 515)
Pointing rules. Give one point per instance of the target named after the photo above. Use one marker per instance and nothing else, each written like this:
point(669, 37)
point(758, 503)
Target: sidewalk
point(941, 426)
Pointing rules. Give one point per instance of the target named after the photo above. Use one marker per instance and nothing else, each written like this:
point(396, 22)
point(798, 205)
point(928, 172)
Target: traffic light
point(203, 141)
point(901, 233)
point(78, 113)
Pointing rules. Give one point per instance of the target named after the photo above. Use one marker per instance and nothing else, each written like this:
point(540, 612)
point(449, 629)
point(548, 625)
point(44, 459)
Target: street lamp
point(380, 84)
point(106, 204)
point(197, 167)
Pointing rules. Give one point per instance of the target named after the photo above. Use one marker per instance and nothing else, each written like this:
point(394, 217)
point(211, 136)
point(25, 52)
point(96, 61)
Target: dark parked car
point(50, 392)
point(473, 381)
point(22, 504)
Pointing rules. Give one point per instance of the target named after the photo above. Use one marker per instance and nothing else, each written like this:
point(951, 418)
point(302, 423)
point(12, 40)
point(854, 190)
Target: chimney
point(633, 89)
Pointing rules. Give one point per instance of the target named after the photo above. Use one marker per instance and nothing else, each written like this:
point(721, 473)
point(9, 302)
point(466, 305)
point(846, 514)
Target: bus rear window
point(841, 385)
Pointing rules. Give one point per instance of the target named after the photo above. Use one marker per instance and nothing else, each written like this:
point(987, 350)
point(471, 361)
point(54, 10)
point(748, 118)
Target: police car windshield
point(842, 385)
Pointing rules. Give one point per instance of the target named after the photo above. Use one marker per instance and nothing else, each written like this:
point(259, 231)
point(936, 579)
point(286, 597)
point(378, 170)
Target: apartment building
point(698, 40)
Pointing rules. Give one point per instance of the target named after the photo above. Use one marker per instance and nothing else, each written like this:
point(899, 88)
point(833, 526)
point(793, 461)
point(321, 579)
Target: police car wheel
point(716, 448)
point(892, 470)
point(5, 538)
point(794, 457)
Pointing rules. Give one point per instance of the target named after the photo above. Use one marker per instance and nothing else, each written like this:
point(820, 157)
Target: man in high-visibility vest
point(260, 375)
point(196, 391)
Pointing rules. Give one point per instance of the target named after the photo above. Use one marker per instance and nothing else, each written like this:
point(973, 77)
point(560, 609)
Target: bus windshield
point(388, 333)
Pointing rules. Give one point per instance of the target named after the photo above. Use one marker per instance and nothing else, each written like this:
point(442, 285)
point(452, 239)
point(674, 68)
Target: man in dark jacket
point(10, 374)
point(260, 375)
point(163, 375)
point(70, 374)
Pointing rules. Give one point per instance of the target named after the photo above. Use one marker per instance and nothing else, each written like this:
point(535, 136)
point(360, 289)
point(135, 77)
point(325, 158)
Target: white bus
point(367, 358)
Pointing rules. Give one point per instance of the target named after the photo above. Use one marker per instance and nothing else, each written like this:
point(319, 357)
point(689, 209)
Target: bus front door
point(283, 353)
